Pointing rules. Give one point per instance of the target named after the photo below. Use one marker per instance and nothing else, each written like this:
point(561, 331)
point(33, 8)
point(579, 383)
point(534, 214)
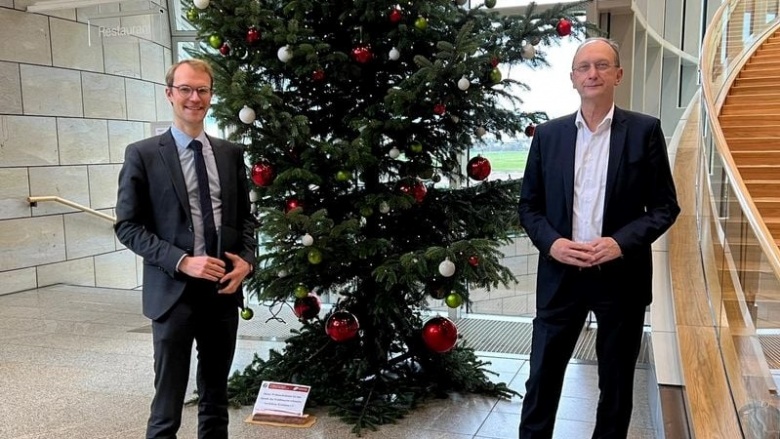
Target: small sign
point(282, 399)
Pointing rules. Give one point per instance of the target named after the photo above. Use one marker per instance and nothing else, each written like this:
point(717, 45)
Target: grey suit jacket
point(154, 219)
point(640, 201)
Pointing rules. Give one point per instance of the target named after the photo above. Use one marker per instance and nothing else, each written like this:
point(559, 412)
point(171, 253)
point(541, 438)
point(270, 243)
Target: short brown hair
point(196, 64)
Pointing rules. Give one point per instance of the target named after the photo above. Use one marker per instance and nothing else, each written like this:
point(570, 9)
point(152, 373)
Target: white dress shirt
point(591, 158)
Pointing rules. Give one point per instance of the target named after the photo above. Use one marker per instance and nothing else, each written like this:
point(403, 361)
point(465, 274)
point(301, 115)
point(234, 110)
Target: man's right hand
point(203, 267)
point(573, 253)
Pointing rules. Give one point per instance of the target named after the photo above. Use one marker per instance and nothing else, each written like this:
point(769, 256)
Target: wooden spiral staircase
point(750, 119)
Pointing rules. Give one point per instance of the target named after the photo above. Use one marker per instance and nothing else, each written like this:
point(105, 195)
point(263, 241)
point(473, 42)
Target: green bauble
point(453, 300)
point(247, 313)
point(192, 15)
point(215, 41)
point(314, 256)
point(495, 75)
point(343, 175)
point(416, 147)
point(301, 291)
point(421, 23)
point(490, 3)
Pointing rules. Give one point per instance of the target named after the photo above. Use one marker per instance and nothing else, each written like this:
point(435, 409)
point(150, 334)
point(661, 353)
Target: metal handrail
point(35, 200)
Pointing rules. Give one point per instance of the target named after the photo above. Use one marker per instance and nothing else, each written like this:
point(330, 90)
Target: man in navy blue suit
point(597, 191)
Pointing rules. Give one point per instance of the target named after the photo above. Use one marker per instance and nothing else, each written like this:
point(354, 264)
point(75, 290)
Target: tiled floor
point(76, 362)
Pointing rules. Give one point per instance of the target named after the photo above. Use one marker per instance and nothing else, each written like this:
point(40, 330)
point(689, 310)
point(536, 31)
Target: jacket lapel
point(569, 143)
point(617, 144)
point(170, 156)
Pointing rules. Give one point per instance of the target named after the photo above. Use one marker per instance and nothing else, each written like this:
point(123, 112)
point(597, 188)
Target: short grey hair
point(615, 47)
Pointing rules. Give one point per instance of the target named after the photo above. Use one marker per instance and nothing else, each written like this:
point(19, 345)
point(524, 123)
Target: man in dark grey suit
point(597, 191)
point(183, 205)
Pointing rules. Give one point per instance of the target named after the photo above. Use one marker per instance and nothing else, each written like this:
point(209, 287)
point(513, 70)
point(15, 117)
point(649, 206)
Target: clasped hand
point(585, 254)
point(213, 269)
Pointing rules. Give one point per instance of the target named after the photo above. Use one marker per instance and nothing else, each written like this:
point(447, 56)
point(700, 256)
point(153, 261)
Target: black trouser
point(211, 321)
point(556, 329)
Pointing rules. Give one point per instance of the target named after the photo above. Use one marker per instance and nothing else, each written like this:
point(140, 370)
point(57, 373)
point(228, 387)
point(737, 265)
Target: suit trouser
point(211, 320)
point(556, 329)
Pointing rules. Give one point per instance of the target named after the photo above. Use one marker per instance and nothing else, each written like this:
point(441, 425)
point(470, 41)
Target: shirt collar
point(183, 140)
point(580, 121)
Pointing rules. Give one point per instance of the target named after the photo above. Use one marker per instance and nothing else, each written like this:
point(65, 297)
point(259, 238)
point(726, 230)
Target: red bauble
point(478, 168)
point(292, 203)
point(342, 326)
point(440, 334)
point(307, 307)
point(224, 49)
point(318, 75)
point(530, 130)
point(415, 188)
point(473, 260)
point(439, 109)
point(395, 15)
point(252, 35)
point(494, 61)
point(362, 54)
point(263, 174)
point(563, 27)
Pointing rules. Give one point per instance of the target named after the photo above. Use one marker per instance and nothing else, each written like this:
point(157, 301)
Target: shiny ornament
point(473, 260)
point(416, 147)
point(314, 256)
point(438, 289)
point(455, 119)
point(307, 307)
point(494, 61)
point(384, 207)
point(224, 49)
point(252, 35)
point(495, 75)
point(394, 54)
point(447, 268)
point(215, 41)
point(421, 23)
point(480, 131)
point(464, 83)
point(201, 4)
point(529, 51)
point(440, 334)
point(530, 130)
point(416, 189)
point(247, 115)
point(395, 15)
point(535, 41)
point(301, 291)
point(366, 211)
point(453, 300)
point(284, 53)
point(307, 240)
point(263, 173)
point(318, 75)
point(192, 14)
point(394, 153)
point(362, 54)
point(342, 326)
point(343, 175)
point(490, 3)
point(439, 109)
point(563, 27)
point(291, 204)
point(478, 168)
point(247, 313)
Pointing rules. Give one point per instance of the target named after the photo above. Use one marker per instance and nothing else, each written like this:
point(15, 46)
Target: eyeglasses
point(185, 90)
point(601, 66)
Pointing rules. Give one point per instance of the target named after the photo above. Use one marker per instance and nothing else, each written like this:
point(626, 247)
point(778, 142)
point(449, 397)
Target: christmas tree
point(358, 117)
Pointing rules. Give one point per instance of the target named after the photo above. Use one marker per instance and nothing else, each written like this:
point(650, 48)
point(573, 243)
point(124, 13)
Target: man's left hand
point(605, 249)
point(232, 280)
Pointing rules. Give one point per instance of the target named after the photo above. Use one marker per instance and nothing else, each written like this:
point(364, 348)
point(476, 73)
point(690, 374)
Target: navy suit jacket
point(640, 201)
point(154, 218)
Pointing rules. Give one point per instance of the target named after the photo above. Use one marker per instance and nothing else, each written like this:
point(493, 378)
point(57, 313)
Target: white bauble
point(384, 207)
point(282, 273)
point(307, 240)
point(201, 4)
point(247, 115)
point(481, 131)
point(529, 51)
point(446, 268)
point(455, 119)
point(284, 53)
point(394, 54)
point(464, 83)
point(394, 152)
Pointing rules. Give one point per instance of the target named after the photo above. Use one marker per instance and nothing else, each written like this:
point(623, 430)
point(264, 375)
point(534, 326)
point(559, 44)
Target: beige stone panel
point(103, 186)
point(152, 62)
point(68, 182)
point(116, 270)
point(70, 46)
point(28, 141)
point(141, 102)
point(31, 241)
point(13, 281)
point(87, 235)
point(51, 91)
point(34, 47)
point(7, 4)
point(73, 272)
point(121, 134)
point(82, 141)
point(69, 14)
point(83, 14)
point(10, 88)
point(14, 190)
point(164, 111)
point(104, 96)
point(167, 59)
point(123, 59)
